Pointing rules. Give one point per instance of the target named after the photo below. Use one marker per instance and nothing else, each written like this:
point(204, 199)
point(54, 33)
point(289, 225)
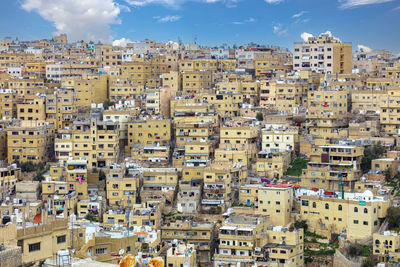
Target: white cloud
point(249, 20)
point(329, 33)
point(121, 42)
point(356, 3)
point(305, 36)
point(178, 3)
point(168, 18)
point(273, 1)
point(298, 15)
point(80, 20)
point(363, 48)
point(279, 30)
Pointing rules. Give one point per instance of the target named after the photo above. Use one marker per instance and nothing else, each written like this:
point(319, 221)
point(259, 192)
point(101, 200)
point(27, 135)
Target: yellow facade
point(386, 245)
point(330, 163)
point(276, 201)
point(122, 192)
point(43, 241)
point(29, 141)
point(359, 218)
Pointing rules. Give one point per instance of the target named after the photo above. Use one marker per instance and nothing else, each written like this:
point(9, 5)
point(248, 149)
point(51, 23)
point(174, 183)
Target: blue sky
point(373, 23)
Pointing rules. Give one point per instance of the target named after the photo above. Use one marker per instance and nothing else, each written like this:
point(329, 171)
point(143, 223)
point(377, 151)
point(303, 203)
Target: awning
point(230, 228)
point(245, 229)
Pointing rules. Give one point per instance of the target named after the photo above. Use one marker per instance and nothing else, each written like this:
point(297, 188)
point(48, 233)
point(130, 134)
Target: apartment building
point(332, 166)
point(367, 101)
point(94, 139)
point(389, 118)
point(161, 184)
point(92, 90)
point(7, 106)
point(285, 95)
point(29, 141)
point(324, 53)
point(199, 235)
point(32, 109)
point(39, 242)
point(238, 237)
point(282, 247)
point(181, 255)
point(9, 175)
point(240, 136)
point(357, 215)
point(121, 89)
point(122, 191)
point(386, 245)
point(280, 137)
point(193, 82)
point(273, 163)
point(276, 201)
point(327, 113)
point(189, 196)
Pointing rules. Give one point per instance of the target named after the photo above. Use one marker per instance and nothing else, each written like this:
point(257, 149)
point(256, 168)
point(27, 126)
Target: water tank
point(63, 257)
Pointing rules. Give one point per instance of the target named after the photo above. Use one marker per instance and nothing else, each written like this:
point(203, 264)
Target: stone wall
point(11, 257)
point(340, 260)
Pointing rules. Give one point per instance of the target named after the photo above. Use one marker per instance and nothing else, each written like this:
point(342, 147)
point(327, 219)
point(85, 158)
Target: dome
point(367, 193)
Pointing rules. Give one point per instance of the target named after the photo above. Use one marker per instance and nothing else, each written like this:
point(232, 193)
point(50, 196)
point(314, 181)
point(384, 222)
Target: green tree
point(388, 174)
point(27, 166)
point(38, 177)
point(108, 104)
point(355, 250)
point(370, 261)
point(371, 153)
point(393, 216)
point(260, 116)
point(91, 217)
point(301, 224)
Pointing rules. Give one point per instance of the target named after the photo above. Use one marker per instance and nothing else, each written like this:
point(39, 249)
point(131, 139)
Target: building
point(332, 166)
point(386, 245)
point(29, 141)
point(200, 235)
point(356, 216)
point(324, 53)
point(281, 138)
point(276, 201)
point(238, 238)
point(181, 255)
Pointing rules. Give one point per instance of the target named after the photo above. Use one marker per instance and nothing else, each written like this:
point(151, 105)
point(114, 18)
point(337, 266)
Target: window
point(101, 251)
point(365, 223)
point(34, 247)
point(304, 203)
point(365, 210)
point(327, 206)
point(355, 221)
point(340, 207)
point(61, 239)
point(355, 209)
point(314, 205)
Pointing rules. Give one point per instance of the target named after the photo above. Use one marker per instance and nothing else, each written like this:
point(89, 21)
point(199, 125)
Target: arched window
point(340, 207)
point(314, 205)
point(365, 210)
point(355, 209)
point(327, 206)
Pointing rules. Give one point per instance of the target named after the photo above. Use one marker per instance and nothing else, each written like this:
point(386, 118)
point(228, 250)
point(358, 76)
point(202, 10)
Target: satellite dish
point(121, 251)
